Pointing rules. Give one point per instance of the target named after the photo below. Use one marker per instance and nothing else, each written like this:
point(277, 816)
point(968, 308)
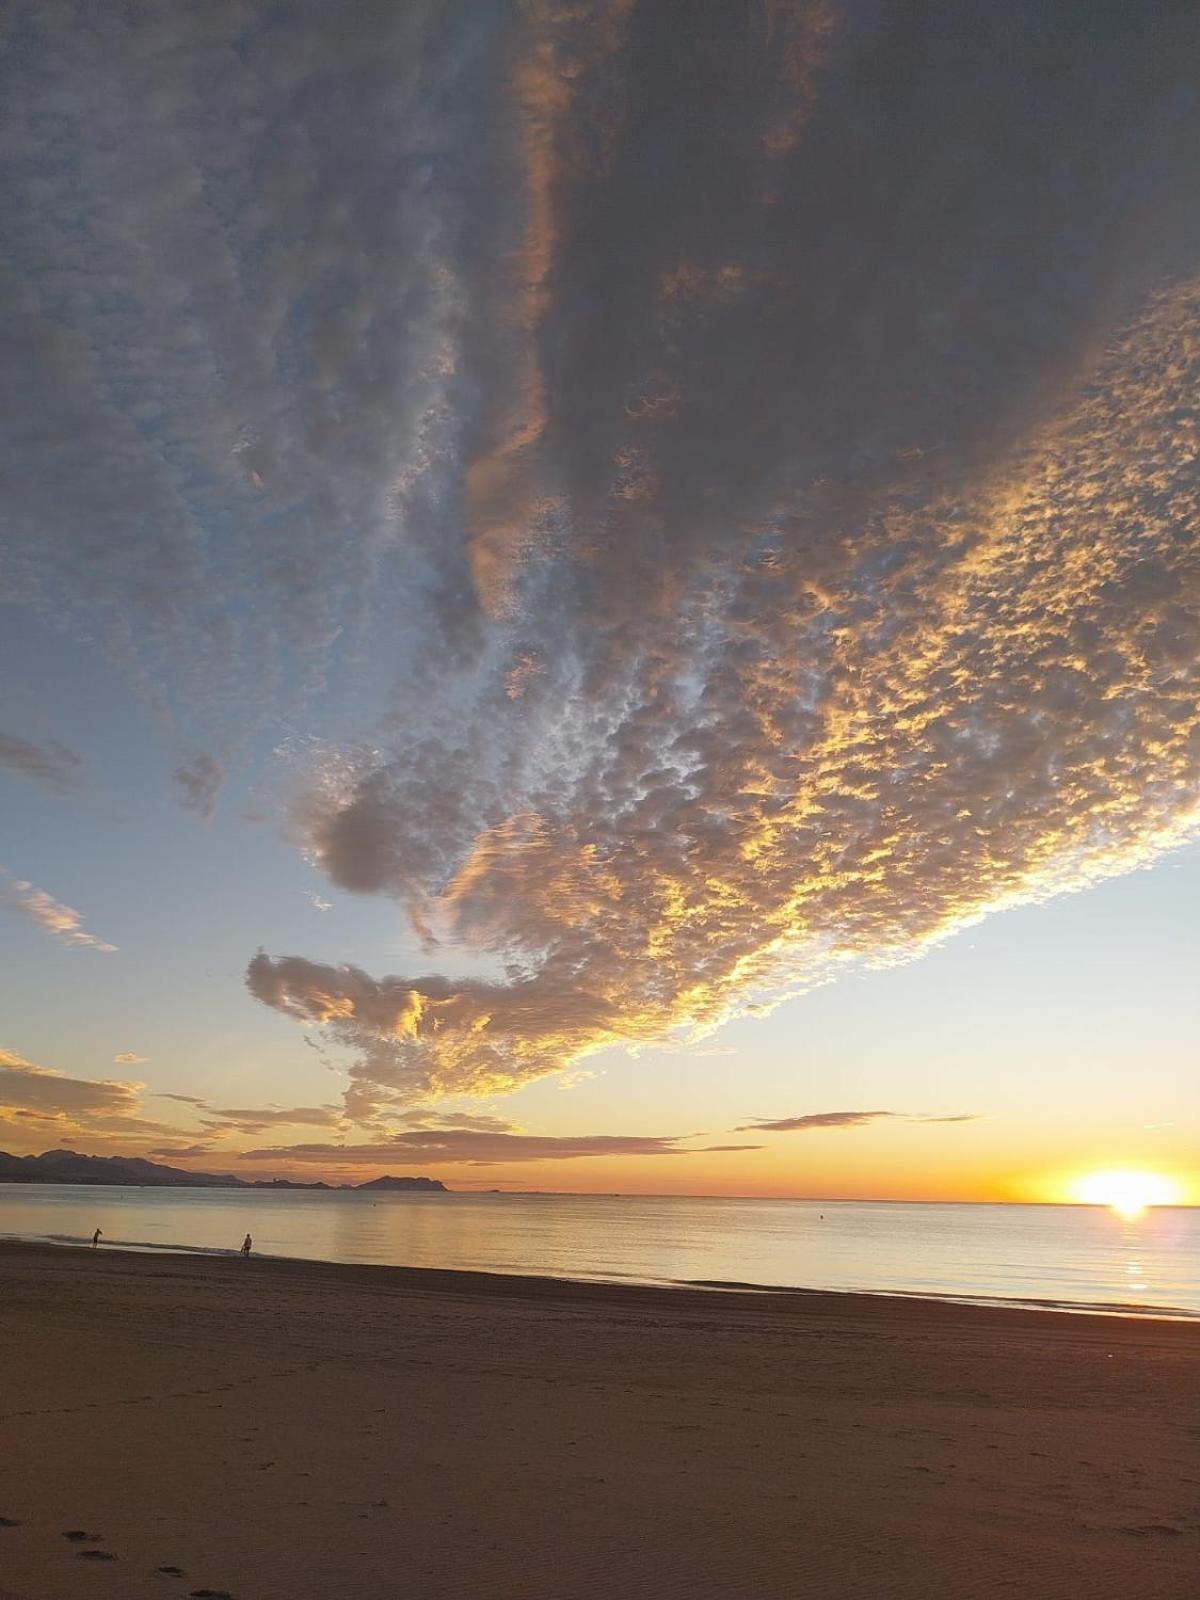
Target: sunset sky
point(603, 596)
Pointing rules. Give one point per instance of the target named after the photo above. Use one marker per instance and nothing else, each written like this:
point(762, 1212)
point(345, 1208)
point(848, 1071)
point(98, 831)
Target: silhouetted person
point(247, 1245)
point(96, 1238)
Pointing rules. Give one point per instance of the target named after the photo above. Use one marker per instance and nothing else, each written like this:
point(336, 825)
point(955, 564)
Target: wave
point(149, 1246)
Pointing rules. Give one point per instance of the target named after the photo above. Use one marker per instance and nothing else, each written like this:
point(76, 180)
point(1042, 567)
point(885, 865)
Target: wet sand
point(288, 1429)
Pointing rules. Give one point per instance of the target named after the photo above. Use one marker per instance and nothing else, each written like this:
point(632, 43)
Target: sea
point(1081, 1258)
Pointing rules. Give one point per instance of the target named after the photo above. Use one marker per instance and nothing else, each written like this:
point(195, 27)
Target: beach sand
point(287, 1429)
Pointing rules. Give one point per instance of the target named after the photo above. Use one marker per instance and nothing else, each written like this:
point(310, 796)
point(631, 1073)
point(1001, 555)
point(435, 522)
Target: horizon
point(484, 1186)
point(558, 639)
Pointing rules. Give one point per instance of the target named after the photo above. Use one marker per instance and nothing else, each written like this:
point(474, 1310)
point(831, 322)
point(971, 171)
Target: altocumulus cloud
point(785, 515)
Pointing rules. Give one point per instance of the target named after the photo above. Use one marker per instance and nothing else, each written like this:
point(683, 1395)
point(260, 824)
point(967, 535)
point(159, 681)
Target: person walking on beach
point(96, 1238)
point(247, 1244)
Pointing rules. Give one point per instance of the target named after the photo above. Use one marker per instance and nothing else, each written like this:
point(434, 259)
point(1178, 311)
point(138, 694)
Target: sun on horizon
point(1129, 1191)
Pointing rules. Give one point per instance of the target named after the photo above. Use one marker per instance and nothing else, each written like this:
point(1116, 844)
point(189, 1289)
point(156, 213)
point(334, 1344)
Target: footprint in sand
point(169, 1571)
point(9, 1522)
point(211, 1594)
point(81, 1536)
point(95, 1555)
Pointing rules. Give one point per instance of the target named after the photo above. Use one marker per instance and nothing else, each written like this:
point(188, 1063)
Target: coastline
point(282, 1428)
point(454, 1280)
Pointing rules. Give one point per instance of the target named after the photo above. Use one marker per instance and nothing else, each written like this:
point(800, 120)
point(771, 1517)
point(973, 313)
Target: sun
point(1125, 1190)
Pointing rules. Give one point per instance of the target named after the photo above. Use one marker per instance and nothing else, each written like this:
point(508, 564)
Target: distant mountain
point(67, 1166)
point(423, 1184)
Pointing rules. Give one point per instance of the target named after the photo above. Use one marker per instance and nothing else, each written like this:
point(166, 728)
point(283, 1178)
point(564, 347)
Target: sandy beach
point(285, 1429)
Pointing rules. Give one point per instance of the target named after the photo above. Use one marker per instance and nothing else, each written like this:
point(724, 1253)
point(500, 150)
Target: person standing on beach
point(96, 1238)
point(247, 1244)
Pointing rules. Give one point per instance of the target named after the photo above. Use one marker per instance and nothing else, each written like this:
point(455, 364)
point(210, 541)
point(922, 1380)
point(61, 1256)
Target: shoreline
point(749, 1298)
point(445, 1280)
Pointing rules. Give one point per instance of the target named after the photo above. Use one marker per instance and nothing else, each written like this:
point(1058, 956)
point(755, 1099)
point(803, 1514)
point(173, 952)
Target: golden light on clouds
point(751, 518)
point(796, 779)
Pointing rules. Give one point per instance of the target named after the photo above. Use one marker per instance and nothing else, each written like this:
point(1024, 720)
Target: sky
point(603, 596)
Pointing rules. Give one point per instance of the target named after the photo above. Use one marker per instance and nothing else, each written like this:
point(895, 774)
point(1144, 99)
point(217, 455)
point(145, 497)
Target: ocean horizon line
point(268, 1184)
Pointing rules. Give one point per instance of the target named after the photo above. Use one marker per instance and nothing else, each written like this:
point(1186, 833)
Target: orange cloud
point(63, 922)
point(36, 1100)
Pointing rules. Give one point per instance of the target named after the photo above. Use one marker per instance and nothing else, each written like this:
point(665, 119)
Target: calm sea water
point(1061, 1255)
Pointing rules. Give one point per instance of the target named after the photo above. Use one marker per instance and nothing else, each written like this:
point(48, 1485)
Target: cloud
point(63, 922)
point(816, 1119)
point(218, 1119)
point(839, 1119)
point(986, 717)
point(448, 1146)
point(201, 780)
point(127, 1058)
point(222, 1120)
point(100, 1113)
point(52, 764)
point(783, 522)
point(209, 470)
point(429, 1117)
point(108, 1115)
point(42, 1089)
point(853, 543)
point(433, 1033)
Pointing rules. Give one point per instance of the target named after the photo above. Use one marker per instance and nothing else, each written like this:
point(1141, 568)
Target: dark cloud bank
point(764, 434)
